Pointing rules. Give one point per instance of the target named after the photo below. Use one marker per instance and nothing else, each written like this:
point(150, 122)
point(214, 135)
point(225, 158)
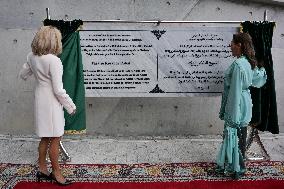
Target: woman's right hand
point(74, 112)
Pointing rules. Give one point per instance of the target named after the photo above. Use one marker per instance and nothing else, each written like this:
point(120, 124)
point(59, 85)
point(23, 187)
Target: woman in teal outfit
point(236, 106)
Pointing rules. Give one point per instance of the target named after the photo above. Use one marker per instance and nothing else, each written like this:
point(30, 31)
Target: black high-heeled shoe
point(42, 176)
point(67, 182)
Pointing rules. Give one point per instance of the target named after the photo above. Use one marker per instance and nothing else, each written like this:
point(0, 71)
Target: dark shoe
point(238, 175)
point(67, 182)
point(42, 176)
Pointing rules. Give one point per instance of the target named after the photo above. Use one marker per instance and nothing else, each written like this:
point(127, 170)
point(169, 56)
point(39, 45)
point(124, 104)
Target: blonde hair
point(47, 41)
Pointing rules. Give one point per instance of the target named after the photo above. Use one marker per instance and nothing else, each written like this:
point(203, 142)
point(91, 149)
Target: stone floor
point(99, 150)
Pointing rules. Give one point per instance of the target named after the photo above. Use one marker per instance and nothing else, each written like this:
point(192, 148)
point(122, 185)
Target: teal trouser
point(242, 135)
point(231, 156)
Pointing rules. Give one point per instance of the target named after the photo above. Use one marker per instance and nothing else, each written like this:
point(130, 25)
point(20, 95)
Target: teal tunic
point(236, 110)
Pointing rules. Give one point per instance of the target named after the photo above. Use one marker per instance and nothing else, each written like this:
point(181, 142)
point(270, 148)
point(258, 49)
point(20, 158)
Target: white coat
point(50, 97)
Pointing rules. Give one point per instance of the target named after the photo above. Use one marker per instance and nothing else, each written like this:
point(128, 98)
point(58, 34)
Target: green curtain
point(264, 100)
point(73, 78)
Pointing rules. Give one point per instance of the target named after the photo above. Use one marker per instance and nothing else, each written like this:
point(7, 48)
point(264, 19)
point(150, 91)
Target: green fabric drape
point(264, 114)
point(73, 78)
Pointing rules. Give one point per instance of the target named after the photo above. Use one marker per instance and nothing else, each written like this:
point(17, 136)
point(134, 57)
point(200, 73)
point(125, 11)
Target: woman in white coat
point(50, 98)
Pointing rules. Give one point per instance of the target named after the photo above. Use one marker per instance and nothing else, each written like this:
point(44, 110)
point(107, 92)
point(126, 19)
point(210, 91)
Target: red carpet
point(259, 175)
point(261, 184)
